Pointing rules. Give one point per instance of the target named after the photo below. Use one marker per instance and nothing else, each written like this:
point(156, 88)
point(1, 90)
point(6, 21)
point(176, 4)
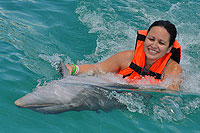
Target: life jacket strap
point(143, 71)
point(141, 37)
point(124, 76)
point(176, 54)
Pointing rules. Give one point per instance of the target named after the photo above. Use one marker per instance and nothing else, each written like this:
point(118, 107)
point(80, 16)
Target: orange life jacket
point(136, 69)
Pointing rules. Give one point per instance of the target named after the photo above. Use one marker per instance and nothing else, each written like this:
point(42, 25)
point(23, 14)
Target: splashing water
point(160, 107)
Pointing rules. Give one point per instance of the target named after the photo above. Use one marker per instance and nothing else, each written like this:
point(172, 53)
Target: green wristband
point(74, 69)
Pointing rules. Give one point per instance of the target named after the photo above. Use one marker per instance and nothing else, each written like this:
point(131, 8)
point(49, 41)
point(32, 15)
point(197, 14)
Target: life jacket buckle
point(144, 72)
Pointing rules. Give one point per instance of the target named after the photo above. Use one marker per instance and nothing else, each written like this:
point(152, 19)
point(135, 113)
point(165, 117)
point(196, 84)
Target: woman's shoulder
point(126, 55)
point(173, 68)
point(125, 58)
point(173, 72)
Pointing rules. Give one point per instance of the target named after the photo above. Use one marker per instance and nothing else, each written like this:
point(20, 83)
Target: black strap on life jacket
point(140, 37)
point(176, 54)
point(143, 71)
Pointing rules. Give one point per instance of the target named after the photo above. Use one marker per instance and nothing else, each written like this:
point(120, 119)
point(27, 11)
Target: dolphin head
point(55, 97)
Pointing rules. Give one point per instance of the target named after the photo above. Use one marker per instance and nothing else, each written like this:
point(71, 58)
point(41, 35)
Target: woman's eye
point(151, 39)
point(162, 43)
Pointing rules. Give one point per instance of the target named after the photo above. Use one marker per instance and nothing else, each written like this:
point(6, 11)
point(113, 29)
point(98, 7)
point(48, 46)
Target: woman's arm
point(173, 72)
point(116, 62)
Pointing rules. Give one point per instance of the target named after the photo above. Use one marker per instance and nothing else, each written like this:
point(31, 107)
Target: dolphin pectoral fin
point(63, 70)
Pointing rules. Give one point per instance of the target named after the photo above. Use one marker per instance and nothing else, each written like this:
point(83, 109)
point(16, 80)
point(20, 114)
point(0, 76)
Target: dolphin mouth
point(46, 108)
point(20, 104)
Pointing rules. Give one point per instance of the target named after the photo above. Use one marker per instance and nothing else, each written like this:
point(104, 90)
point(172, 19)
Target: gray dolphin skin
point(74, 93)
point(71, 93)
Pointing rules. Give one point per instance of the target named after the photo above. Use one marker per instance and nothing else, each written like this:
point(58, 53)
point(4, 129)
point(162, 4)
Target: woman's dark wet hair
point(171, 29)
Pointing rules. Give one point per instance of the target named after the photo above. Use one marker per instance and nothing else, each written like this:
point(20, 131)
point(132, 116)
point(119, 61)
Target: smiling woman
point(156, 57)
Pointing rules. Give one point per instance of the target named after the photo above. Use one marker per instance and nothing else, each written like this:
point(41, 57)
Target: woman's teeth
point(152, 51)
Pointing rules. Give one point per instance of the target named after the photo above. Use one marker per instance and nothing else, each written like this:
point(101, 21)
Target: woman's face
point(156, 44)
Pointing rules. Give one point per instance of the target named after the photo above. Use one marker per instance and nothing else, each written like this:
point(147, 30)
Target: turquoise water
point(34, 33)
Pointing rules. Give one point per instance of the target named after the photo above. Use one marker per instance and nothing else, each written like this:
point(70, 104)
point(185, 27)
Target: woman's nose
point(155, 43)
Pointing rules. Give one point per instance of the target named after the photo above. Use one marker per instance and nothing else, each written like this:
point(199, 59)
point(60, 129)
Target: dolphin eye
point(71, 106)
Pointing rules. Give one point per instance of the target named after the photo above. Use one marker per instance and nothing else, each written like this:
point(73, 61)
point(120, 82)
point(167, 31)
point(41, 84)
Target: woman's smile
point(152, 51)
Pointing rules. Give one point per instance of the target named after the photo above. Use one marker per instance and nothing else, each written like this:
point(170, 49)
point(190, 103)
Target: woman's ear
point(169, 49)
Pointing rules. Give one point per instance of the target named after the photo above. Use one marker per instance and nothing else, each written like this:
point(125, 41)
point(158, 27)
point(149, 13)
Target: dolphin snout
point(21, 103)
point(18, 103)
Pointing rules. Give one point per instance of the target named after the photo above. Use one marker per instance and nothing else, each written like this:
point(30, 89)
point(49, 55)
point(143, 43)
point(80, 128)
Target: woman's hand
point(70, 68)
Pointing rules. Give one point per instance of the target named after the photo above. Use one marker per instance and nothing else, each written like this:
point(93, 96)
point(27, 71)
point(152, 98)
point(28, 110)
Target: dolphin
point(75, 93)
point(72, 93)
